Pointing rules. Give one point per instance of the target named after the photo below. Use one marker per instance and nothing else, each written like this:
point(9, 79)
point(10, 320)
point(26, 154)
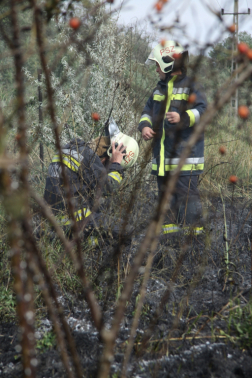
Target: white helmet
point(132, 149)
point(165, 55)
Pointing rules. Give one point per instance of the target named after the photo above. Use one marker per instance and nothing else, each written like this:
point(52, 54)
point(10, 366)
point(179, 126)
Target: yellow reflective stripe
point(116, 176)
point(145, 119)
point(158, 97)
point(193, 230)
point(170, 228)
point(67, 160)
point(92, 241)
point(182, 96)
point(192, 117)
point(154, 167)
point(186, 167)
point(65, 221)
point(161, 171)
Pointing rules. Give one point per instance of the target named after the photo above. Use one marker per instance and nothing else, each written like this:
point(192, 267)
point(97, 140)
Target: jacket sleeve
point(192, 115)
point(146, 117)
point(94, 175)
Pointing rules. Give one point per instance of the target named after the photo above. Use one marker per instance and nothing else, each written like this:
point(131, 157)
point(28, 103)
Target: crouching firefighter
point(94, 170)
point(170, 114)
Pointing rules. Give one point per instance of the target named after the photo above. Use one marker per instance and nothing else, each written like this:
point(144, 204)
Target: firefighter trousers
point(185, 209)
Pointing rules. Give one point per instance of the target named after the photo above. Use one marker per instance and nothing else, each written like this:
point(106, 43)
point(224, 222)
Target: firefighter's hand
point(173, 117)
point(147, 133)
point(118, 153)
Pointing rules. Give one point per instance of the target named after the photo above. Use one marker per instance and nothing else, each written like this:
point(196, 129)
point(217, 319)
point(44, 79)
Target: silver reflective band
point(146, 116)
point(75, 154)
point(157, 92)
point(181, 90)
point(176, 160)
point(116, 176)
point(167, 229)
point(196, 115)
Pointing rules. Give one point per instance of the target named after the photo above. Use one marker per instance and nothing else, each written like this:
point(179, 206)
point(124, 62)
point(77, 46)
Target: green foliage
point(240, 324)
point(7, 302)
point(47, 342)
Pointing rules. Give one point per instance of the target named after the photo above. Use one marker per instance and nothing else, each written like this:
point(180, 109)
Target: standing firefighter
point(169, 116)
point(93, 170)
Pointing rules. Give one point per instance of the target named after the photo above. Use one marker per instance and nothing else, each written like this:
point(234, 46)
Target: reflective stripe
point(188, 161)
point(193, 230)
point(65, 221)
point(158, 97)
point(185, 90)
point(157, 92)
point(146, 117)
point(182, 96)
point(170, 228)
point(73, 153)
point(92, 241)
point(186, 167)
point(161, 171)
point(68, 161)
point(194, 116)
point(154, 167)
point(116, 176)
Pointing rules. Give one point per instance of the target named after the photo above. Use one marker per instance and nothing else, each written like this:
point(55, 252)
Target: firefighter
point(94, 170)
point(169, 119)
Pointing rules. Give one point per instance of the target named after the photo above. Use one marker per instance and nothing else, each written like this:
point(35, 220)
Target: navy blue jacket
point(172, 95)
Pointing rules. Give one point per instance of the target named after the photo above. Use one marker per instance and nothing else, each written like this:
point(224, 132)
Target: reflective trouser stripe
point(170, 228)
point(194, 230)
point(92, 241)
point(65, 221)
point(116, 176)
point(186, 167)
point(68, 161)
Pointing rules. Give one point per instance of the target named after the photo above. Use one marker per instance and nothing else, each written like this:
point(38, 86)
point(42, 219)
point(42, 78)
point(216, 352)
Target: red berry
point(96, 117)
point(74, 23)
point(232, 28)
point(243, 111)
point(192, 98)
point(159, 6)
point(176, 56)
point(162, 42)
point(243, 47)
point(222, 150)
point(233, 179)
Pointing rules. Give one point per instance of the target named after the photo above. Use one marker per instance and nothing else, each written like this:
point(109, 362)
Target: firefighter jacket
point(172, 95)
point(86, 176)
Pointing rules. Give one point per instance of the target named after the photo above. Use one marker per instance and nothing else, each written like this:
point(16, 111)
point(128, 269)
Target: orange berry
point(176, 56)
point(222, 150)
point(243, 47)
point(162, 42)
point(96, 117)
point(192, 98)
point(243, 111)
point(74, 23)
point(233, 179)
point(158, 6)
point(249, 54)
point(232, 28)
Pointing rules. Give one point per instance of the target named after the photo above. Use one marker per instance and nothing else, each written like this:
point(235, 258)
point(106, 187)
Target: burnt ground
point(196, 334)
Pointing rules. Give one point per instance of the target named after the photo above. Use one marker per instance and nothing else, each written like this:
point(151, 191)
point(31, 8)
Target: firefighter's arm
point(115, 174)
point(192, 115)
point(145, 123)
